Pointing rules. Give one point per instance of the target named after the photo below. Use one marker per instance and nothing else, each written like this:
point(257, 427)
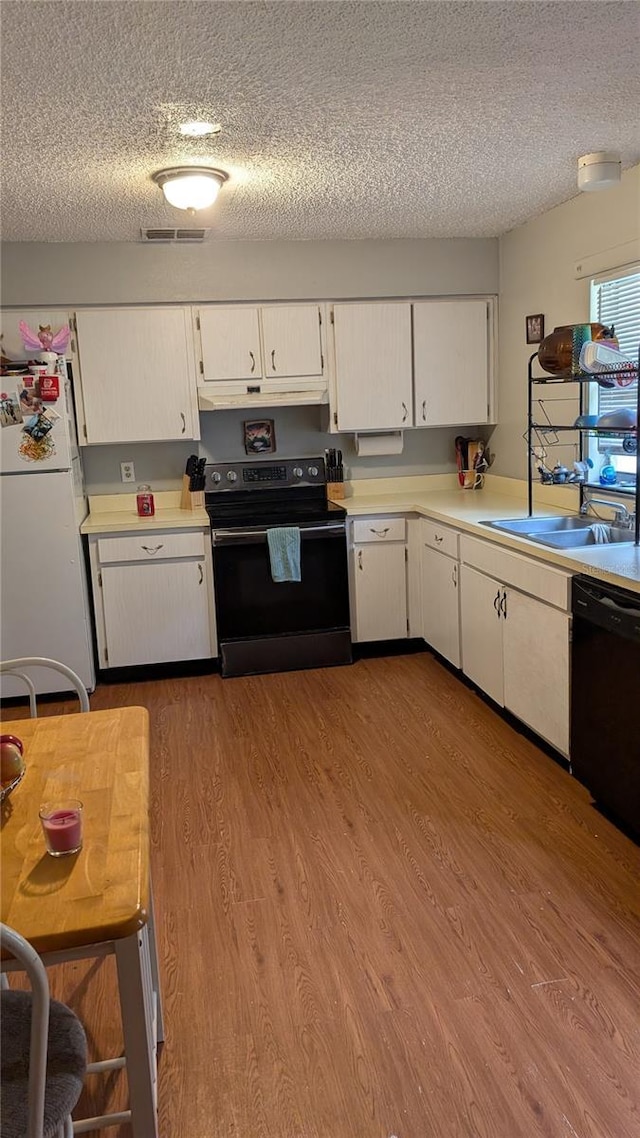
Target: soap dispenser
point(607, 476)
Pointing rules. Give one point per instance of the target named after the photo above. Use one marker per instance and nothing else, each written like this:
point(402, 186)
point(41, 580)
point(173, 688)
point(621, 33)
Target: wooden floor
point(382, 911)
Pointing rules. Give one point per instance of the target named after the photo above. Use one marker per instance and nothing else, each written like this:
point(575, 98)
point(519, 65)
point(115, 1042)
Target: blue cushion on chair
point(66, 1064)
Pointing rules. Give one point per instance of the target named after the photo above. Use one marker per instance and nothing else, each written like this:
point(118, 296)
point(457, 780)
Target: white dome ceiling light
point(199, 129)
point(190, 187)
point(598, 171)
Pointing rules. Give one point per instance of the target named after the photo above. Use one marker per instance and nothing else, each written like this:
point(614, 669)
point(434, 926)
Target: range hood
point(212, 400)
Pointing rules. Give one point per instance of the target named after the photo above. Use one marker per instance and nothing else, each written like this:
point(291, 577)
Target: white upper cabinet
point(451, 353)
point(230, 342)
point(291, 339)
point(373, 366)
point(250, 344)
point(138, 374)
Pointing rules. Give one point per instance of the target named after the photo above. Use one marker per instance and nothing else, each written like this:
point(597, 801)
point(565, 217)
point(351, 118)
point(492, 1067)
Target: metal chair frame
point(13, 668)
point(29, 960)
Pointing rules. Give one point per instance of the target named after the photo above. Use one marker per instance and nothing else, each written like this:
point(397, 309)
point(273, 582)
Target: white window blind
point(616, 301)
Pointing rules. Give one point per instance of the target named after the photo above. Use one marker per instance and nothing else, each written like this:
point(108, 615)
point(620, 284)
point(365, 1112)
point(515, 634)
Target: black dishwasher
point(605, 694)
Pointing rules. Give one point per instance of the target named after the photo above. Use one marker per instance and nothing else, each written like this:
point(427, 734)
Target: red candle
point(62, 827)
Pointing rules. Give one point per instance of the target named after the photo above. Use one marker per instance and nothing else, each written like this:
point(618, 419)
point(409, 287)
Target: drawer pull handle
point(150, 551)
point(273, 360)
point(405, 412)
point(359, 559)
point(503, 604)
point(253, 362)
point(438, 538)
point(454, 576)
point(201, 576)
point(424, 410)
point(184, 424)
point(379, 532)
point(496, 602)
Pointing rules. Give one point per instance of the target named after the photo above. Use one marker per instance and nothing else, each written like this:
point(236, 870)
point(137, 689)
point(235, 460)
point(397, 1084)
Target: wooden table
point(99, 900)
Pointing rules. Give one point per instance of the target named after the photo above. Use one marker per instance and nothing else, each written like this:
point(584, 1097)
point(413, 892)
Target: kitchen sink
point(527, 527)
point(571, 531)
point(575, 539)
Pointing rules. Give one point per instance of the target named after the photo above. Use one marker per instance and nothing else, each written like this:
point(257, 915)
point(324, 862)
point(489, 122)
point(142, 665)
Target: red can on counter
point(144, 502)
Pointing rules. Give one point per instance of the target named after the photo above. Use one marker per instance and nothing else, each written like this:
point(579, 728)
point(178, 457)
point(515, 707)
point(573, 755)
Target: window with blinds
point(617, 301)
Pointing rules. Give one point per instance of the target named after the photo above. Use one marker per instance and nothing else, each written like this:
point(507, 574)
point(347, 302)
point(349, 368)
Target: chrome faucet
point(622, 517)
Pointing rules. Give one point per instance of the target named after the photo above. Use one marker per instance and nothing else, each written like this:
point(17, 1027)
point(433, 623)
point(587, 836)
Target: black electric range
point(264, 625)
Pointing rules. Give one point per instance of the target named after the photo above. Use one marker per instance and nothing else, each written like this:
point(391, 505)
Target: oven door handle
point(253, 536)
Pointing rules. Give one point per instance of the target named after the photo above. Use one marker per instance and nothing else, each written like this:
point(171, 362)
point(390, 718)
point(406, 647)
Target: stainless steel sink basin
point(574, 539)
point(526, 527)
point(570, 531)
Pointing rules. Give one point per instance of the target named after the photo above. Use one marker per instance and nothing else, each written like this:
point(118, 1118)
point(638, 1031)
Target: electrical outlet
point(127, 472)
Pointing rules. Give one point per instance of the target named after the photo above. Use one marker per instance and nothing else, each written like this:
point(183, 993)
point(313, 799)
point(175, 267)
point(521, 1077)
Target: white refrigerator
point(44, 601)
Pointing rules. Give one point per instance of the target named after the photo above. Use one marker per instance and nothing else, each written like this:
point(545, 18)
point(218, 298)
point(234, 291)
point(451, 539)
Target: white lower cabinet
point(378, 578)
point(440, 592)
point(481, 630)
point(153, 598)
point(516, 647)
point(536, 645)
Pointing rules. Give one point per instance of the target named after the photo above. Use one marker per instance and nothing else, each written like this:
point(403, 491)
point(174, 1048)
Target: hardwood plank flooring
point(382, 911)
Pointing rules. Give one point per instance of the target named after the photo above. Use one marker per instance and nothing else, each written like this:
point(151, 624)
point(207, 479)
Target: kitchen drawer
point(542, 581)
point(156, 546)
point(378, 529)
point(439, 537)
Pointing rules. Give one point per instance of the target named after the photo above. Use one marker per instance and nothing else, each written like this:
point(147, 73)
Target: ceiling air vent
point(163, 235)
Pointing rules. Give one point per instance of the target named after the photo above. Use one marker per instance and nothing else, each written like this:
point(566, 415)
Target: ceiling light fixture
point(199, 129)
point(598, 171)
point(190, 187)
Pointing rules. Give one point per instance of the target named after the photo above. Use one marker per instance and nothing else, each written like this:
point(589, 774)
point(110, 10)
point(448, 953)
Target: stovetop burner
point(287, 492)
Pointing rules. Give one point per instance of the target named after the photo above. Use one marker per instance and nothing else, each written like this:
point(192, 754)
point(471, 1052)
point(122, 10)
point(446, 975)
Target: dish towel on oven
point(284, 553)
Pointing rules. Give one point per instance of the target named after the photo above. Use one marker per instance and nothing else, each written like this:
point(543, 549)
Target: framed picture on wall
point(259, 436)
point(535, 328)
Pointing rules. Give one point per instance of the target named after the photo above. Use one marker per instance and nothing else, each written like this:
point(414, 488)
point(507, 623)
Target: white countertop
point(116, 513)
point(432, 496)
point(465, 509)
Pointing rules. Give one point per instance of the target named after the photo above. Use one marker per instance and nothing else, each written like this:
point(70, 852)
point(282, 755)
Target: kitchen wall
point(44, 275)
point(299, 431)
point(537, 274)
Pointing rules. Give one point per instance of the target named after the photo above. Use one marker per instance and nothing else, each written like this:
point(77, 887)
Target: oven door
point(252, 607)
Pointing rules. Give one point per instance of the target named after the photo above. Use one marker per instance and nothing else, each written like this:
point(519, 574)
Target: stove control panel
point(264, 475)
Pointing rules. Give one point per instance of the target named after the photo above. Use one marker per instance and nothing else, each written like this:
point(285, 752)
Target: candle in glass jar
point(62, 827)
point(144, 502)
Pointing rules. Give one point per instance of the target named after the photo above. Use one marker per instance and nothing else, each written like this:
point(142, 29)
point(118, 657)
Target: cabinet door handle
point(201, 575)
point(438, 538)
point(424, 410)
point(253, 362)
point(273, 360)
point(359, 559)
point(454, 576)
point(184, 423)
point(150, 551)
point(405, 412)
point(379, 532)
point(503, 604)
point(496, 602)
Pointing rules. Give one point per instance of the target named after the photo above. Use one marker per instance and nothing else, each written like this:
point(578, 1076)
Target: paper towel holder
point(379, 442)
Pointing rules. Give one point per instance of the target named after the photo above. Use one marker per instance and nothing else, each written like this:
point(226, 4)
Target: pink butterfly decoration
point(45, 340)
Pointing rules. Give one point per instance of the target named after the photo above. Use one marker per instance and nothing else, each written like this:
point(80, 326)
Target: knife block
point(190, 499)
point(335, 490)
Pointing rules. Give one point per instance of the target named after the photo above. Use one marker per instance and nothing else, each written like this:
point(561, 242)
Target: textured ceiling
point(340, 120)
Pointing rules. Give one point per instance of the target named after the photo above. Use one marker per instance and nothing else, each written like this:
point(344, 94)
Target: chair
point(13, 668)
point(44, 1053)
